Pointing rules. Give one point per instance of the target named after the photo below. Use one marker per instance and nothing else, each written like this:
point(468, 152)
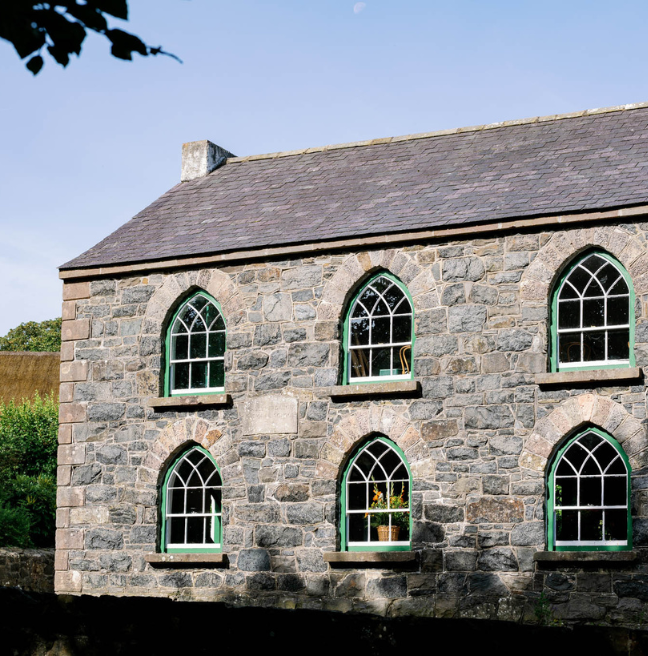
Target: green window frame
point(202, 469)
point(397, 353)
point(584, 335)
point(204, 363)
point(583, 470)
point(361, 472)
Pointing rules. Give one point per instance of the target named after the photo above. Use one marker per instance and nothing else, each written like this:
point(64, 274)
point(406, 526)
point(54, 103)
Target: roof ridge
point(439, 133)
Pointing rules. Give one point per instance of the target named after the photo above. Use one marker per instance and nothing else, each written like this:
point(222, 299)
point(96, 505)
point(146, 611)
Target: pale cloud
point(358, 7)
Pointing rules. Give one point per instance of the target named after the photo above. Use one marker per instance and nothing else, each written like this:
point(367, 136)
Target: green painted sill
point(376, 390)
point(190, 401)
point(592, 376)
point(186, 560)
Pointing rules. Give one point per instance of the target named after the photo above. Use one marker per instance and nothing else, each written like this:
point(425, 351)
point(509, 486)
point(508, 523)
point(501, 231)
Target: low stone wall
point(29, 569)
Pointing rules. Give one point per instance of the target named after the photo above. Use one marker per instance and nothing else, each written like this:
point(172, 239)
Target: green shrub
point(28, 442)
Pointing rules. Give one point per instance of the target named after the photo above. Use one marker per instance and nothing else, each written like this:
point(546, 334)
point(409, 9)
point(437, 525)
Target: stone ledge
point(187, 560)
point(197, 401)
point(567, 557)
point(387, 558)
point(589, 376)
point(377, 390)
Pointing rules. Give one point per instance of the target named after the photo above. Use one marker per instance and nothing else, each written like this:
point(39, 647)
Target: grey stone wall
point(29, 569)
point(477, 439)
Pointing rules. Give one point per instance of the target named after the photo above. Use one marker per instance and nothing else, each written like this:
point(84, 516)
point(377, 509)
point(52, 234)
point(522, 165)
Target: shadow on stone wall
point(47, 625)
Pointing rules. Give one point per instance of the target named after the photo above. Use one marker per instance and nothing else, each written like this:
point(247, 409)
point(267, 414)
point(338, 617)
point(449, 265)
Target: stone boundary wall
point(29, 569)
point(477, 440)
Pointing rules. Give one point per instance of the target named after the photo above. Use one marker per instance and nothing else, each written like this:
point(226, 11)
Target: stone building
point(401, 376)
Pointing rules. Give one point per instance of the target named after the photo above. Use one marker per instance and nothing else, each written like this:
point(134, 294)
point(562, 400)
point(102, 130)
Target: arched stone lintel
point(213, 281)
point(583, 411)
point(338, 290)
point(539, 277)
point(364, 423)
point(179, 435)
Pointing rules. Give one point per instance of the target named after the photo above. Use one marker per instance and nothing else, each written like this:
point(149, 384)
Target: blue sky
point(85, 148)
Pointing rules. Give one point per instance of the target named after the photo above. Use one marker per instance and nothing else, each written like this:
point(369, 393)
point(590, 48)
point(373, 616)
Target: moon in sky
point(358, 7)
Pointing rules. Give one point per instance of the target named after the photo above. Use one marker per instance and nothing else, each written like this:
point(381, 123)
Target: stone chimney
point(200, 158)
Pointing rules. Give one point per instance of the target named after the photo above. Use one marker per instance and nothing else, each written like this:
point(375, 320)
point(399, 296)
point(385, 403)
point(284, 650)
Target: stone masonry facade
point(478, 436)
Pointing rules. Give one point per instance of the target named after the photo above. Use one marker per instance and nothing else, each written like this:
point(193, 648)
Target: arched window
point(589, 495)
point(375, 499)
point(593, 316)
point(196, 348)
point(379, 332)
point(191, 504)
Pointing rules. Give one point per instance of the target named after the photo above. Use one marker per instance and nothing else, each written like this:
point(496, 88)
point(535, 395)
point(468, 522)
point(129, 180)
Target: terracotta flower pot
point(385, 535)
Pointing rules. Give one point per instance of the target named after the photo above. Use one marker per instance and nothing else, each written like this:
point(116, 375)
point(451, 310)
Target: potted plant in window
point(380, 520)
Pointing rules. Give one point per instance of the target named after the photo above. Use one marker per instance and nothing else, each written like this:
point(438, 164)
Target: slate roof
point(590, 161)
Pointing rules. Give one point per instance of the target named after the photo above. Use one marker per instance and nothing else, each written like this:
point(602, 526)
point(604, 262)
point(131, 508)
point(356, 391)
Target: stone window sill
point(187, 560)
point(591, 376)
point(580, 557)
point(397, 388)
point(371, 558)
point(197, 401)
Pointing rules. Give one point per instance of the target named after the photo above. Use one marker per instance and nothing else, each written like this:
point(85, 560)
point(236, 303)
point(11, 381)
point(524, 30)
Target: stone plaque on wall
point(267, 415)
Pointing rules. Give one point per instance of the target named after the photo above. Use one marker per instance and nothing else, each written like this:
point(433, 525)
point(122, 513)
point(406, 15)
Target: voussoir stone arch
point(360, 425)
point(539, 277)
point(213, 281)
point(190, 430)
point(339, 289)
point(582, 411)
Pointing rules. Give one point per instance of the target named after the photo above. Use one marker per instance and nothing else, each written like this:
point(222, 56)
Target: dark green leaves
point(62, 26)
point(34, 336)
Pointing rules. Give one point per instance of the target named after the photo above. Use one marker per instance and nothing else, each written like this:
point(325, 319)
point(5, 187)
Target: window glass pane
point(211, 313)
point(176, 501)
point(360, 362)
point(590, 492)
point(214, 499)
point(605, 454)
point(179, 327)
point(618, 344)
point(359, 332)
point(567, 525)
point(381, 362)
point(216, 345)
point(620, 287)
point(369, 298)
point(576, 455)
point(217, 374)
point(593, 346)
point(180, 376)
point(404, 360)
point(593, 289)
point(381, 309)
point(567, 291)
point(199, 302)
point(564, 468)
point(188, 315)
point(615, 491)
point(569, 347)
point(607, 276)
point(358, 496)
point(618, 311)
point(195, 530)
point(198, 346)
point(380, 331)
point(593, 312)
point(579, 278)
point(381, 283)
point(358, 525)
point(616, 525)
point(390, 461)
point(566, 491)
point(393, 296)
point(205, 468)
point(180, 347)
point(591, 468)
point(569, 314)
point(617, 467)
point(198, 375)
point(195, 499)
point(177, 530)
point(593, 263)
point(402, 329)
point(359, 311)
point(591, 525)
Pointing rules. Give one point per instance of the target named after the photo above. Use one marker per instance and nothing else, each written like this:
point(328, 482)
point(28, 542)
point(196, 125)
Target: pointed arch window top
point(196, 348)
point(593, 315)
point(589, 495)
point(191, 509)
point(379, 332)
